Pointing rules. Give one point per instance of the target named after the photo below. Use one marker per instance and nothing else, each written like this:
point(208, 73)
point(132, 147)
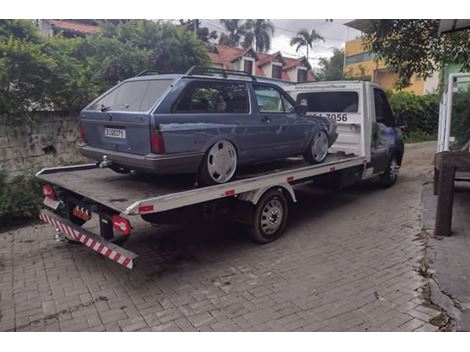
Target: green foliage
point(414, 47)
point(306, 39)
point(331, 68)
point(20, 198)
point(259, 32)
point(422, 112)
point(38, 73)
point(460, 128)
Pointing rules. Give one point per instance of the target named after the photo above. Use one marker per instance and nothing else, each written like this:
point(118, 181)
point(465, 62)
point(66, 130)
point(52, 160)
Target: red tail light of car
point(122, 225)
point(48, 192)
point(157, 143)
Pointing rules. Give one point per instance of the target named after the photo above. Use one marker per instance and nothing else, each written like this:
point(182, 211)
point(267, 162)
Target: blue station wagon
point(201, 124)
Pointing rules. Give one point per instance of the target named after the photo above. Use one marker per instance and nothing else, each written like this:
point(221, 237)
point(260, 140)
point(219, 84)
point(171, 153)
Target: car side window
point(268, 99)
point(383, 111)
point(213, 97)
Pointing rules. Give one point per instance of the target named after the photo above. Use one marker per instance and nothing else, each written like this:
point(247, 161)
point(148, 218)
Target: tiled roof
point(74, 26)
point(226, 55)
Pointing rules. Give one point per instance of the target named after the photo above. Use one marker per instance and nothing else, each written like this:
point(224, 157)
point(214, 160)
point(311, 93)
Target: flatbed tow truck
point(258, 197)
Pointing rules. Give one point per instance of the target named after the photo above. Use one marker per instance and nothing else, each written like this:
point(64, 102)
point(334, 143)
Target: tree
point(202, 33)
point(40, 73)
point(414, 47)
point(331, 68)
point(258, 32)
point(236, 31)
point(305, 39)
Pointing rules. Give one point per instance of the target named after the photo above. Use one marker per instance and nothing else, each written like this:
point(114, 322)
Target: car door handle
point(266, 119)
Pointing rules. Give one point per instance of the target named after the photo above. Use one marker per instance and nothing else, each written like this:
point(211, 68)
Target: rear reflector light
point(290, 178)
point(157, 143)
point(48, 191)
point(82, 135)
point(145, 208)
point(122, 225)
point(332, 169)
point(230, 192)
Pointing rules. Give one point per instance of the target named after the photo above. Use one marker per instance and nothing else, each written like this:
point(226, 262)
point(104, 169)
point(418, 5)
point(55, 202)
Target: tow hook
point(105, 163)
point(59, 236)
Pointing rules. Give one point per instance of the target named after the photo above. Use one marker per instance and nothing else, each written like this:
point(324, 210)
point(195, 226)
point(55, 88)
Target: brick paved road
point(349, 261)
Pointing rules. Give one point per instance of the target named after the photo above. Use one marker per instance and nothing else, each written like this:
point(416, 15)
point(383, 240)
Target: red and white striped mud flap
point(76, 233)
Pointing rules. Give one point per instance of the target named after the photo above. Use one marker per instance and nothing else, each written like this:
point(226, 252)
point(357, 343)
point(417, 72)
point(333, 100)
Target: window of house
point(383, 111)
point(301, 75)
point(133, 96)
point(330, 101)
point(268, 99)
point(248, 66)
point(354, 59)
point(213, 97)
point(277, 71)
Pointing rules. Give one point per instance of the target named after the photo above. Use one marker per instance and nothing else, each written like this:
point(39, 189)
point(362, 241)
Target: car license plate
point(115, 132)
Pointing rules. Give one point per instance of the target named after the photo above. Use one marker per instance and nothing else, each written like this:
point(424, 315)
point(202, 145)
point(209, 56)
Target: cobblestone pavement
point(349, 261)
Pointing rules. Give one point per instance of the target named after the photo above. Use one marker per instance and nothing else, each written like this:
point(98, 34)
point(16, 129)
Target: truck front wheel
point(270, 217)
point(390, 176)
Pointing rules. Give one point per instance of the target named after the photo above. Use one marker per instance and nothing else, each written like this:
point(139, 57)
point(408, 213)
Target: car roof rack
point(205, 71)
point(146, 72)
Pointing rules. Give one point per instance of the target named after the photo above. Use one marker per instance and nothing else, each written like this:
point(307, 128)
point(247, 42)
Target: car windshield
point(330, 101)
point(132, 96)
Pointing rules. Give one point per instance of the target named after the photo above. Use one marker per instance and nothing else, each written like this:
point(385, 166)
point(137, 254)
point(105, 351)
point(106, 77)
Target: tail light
point(82, 135)
point(48, 192)
point(157, 143)
point(122, 225)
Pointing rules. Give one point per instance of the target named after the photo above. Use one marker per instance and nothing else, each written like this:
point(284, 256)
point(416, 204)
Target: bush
point(422, 114)
point(39, 73)
point(460, 128)
point(20, 198)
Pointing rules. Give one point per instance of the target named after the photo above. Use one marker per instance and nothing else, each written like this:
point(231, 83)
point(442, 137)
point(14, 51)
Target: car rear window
point(213, 97)
point(133, 96)
point(330, 101)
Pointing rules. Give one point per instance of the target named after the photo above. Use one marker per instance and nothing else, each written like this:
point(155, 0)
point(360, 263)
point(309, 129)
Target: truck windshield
point(330, 101)
point(132, 96)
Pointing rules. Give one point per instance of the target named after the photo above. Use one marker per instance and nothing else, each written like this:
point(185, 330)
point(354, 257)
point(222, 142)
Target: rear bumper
point(154, 163)
point(98, 244)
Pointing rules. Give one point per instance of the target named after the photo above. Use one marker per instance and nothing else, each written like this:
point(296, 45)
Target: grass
point(416, 137)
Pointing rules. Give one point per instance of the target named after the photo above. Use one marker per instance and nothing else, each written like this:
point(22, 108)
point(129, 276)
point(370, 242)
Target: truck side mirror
point(302, 109)
point(402, 119)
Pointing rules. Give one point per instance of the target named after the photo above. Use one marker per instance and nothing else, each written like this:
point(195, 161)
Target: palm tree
point(304, 38)
point(236, 30)
point(259, 32)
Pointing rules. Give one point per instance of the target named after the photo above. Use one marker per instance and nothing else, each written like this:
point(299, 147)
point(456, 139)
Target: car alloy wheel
point(319, 146)
point(221, 161)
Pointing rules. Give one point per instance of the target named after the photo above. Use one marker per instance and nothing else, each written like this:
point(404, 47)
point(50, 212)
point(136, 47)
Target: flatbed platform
point(130, 194)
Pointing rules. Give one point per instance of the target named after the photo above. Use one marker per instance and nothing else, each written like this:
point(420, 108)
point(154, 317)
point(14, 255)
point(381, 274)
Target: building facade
point(361, 64)
point(260, 64)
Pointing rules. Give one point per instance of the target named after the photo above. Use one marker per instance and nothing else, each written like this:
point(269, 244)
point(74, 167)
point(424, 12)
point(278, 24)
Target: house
point(260, 64)
point(361, 64)
point(68, 28)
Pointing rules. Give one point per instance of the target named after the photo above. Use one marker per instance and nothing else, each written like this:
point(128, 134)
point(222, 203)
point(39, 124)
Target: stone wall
point(41, 140)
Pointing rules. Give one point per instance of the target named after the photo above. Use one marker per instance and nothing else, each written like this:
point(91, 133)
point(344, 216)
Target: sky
point(335, 34)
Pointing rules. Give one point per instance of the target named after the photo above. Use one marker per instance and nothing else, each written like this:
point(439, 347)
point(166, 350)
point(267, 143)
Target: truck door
point(383, 132)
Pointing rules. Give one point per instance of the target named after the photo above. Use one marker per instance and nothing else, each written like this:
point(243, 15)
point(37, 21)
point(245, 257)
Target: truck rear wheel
point(270, 217)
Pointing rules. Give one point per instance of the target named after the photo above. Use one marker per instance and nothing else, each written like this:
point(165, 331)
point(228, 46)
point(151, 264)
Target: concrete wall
point(42, 140)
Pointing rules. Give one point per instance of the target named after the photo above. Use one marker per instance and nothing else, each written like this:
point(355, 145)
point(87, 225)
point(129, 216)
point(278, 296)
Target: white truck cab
point(366, 124)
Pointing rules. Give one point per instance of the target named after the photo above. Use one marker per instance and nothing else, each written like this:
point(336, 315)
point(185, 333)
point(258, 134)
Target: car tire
point(269, 217)
point(317, 149)
point(390, 176)
point(219, 164)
